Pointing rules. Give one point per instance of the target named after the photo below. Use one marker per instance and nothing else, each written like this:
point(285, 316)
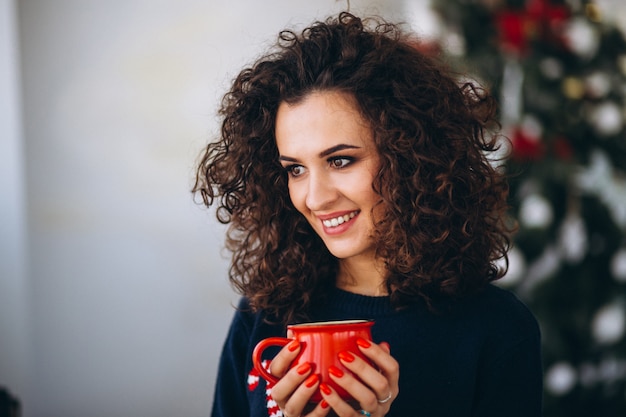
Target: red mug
point(320, 345)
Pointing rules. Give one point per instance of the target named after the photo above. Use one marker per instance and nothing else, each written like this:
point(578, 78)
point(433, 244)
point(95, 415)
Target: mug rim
point(331, 323)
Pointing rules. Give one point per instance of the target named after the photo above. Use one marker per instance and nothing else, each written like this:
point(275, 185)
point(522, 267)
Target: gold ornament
point(593, 12)
point(573, 88)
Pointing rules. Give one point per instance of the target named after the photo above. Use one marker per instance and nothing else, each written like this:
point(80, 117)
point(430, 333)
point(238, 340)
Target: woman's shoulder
point(500, 314)
point(497, 300)
point(255, 324)
point(245, 316)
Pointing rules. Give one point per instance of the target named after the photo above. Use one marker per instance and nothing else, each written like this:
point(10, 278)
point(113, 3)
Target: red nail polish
point(333, 370)
point(303, 368)
point(312, 380)
point(346, 356)
point(295, 344)
point(324, 404)
point(325, 389)
point(363, 343)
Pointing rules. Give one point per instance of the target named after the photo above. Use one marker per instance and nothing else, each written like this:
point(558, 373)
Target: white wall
point(14, 314)
point(113, 295)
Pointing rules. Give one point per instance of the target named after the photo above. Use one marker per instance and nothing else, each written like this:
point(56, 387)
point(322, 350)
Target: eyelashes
point(294, 170)
point(335, 162)
point(340, 161)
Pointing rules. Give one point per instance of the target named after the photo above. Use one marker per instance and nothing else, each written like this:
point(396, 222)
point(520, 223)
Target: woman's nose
point(321, 192)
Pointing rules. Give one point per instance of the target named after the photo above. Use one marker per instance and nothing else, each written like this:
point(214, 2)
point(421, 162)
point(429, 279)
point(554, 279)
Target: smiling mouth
point(339, 220)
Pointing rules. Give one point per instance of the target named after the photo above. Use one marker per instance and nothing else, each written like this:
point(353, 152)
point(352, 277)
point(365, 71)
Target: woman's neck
point(362, 276)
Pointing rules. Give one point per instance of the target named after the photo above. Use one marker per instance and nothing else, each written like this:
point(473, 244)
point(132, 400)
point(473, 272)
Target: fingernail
point(325, 389)
point(295, 344)
point(304, 368)
point(346, 356)
point(312, 380)
point(333, 370)
point(324, 404)
point(363, 343)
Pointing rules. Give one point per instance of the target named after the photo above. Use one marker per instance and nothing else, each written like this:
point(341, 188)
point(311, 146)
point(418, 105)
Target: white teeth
point(339, 220)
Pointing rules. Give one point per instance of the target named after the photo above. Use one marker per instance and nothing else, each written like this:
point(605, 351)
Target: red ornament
point(546, 13)
point(525, 147)
point(512, 32)
point(538, 20)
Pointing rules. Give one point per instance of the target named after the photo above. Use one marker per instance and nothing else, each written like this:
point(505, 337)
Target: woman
point(353, 171)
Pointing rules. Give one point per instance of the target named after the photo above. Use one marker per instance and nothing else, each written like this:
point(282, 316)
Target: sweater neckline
point(359, 304)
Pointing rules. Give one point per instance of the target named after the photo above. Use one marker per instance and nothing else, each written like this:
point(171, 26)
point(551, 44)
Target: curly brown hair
point(444, 225)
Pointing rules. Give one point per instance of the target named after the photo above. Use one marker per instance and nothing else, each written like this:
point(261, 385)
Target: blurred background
point(114, 298)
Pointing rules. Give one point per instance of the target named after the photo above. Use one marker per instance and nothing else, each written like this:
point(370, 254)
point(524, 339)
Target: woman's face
point(328, 151)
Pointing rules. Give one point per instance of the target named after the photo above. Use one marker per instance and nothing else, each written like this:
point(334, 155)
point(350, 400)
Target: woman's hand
point(296, 386)
point(374, 390)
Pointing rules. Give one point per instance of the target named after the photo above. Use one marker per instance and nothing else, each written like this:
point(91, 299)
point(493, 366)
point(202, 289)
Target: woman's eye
point(295, 170)
point(340, 162)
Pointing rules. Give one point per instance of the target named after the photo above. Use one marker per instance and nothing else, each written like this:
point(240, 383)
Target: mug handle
point(258, 352)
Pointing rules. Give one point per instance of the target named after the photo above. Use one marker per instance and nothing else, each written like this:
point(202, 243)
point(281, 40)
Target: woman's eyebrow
point(287, 158)
point(337, 148)
point(322, 154)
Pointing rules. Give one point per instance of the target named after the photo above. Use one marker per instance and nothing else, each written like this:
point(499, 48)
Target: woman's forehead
point(321, 120)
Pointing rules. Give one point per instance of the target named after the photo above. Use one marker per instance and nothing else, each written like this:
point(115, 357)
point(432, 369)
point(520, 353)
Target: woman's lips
point(339, 223)
point(336, 221)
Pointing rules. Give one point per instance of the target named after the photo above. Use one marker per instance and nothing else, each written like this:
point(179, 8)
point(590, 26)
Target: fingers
point(282, 361)
point(373, 389)
point(363, 392)
point(341, 408)
point(382, 380)
point(320, 410)
point(380, 355)
point(299, 404)
point(296, 385)
point(293, 392)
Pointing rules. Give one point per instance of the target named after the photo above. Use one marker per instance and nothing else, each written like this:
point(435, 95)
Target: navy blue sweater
point(480, 358)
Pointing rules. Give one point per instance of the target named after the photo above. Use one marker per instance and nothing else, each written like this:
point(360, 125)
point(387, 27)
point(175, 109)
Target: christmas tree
point(559, 69)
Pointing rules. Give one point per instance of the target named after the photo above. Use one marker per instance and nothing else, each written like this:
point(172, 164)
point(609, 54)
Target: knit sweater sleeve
point(230, 397)
point(510, 383)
